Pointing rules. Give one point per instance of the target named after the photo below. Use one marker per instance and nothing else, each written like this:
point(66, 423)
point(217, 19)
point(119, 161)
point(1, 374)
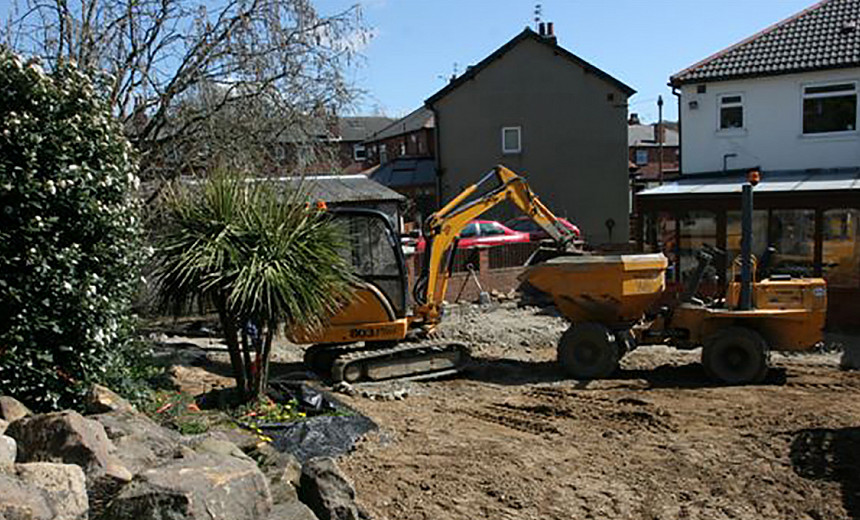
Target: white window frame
point(356, 148)
point(721, 105)
point(519, 147)
point(804, 96)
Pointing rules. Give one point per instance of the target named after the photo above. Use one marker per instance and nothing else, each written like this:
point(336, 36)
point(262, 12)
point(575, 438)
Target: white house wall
point(772, 134)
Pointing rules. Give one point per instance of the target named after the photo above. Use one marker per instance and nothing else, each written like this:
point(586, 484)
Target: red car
point(485, 233)
point(535, 232)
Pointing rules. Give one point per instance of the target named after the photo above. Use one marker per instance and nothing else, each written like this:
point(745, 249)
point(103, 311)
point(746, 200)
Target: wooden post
point(818, 254)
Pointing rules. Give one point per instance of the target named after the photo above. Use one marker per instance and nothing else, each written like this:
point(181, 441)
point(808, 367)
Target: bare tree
point(194, 80)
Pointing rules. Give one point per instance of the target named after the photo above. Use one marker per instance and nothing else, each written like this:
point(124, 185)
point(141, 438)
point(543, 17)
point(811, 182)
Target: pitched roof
point(415, 120)
point(824, 36)
point(526, 34)
point(643, 135)
point(361, 127)
point(342, 188)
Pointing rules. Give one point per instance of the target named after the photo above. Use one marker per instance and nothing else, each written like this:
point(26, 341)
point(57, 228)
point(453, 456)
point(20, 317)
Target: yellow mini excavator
point(376, 335)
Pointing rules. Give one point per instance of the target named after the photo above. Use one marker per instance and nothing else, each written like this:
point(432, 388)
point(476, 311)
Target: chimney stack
point(549, 30)
point(542, 29)
point(633, 119)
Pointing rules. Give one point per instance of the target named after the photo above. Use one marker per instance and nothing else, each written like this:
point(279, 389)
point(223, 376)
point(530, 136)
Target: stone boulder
point(140, 443)
point(282, 469)
point(11, 409)
point(70, 438)
point(202, 487)
point(100, 399)
point(294, 510)
point(8, 450)
point(43, 490)
point(327, 491)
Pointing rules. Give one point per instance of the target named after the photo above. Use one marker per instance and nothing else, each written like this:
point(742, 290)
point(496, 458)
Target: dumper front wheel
point(588, 351)
point(736, 355)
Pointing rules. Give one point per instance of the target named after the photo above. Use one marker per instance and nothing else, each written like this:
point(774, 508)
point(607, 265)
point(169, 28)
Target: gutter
point(677, 94)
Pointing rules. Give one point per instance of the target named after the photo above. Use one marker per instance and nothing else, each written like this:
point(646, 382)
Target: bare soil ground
point(515, 439)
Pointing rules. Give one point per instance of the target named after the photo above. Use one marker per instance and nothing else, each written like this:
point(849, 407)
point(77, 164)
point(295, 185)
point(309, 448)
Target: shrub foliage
point(69, 239)
point(257, 253)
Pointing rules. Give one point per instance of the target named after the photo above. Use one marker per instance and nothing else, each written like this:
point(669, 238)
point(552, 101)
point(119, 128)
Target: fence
point(496, 269)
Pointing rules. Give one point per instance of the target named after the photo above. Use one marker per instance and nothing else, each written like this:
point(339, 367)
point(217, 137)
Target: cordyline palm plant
point(256, 252)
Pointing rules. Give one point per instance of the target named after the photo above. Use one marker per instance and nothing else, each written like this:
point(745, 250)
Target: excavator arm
point(444, 226)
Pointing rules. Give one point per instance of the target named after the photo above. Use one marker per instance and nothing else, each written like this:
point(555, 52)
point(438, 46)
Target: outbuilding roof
point(799, 182)
point(343, 188)
point(526, 34)
point(824, 36)
point(405, 171)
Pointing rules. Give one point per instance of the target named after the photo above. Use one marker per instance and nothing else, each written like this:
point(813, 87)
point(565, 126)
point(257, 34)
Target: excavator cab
point(373, 249)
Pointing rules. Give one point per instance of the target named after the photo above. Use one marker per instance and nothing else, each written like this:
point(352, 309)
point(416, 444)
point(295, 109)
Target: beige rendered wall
point(574, 140)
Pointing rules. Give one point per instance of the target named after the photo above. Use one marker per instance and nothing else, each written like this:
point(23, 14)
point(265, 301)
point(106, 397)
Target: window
point(359, 153)
point(383, 154)
point(731, 111)
point(641, 157)
point(830, 108)
point(402, 147)
point(469, 231)
point(841, 249)
point(489, 229)
point(511, 139)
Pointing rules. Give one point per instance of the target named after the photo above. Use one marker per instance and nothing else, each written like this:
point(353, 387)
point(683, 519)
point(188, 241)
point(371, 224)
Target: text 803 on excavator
point(398, 341)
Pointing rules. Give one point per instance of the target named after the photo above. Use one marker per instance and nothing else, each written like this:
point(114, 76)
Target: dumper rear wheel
point(736, 355)
point(588, 351)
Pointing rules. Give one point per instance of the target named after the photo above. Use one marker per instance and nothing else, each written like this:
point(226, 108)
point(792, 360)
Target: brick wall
point(496, 268)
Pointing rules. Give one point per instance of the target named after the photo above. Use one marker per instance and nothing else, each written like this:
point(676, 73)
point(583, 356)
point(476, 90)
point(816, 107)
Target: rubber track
point(404, 351)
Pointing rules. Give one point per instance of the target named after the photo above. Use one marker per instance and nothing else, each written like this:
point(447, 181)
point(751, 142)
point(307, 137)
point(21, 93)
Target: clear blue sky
point(640, 42)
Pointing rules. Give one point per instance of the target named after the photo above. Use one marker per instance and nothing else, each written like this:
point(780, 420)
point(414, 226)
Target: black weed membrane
point(331, 429)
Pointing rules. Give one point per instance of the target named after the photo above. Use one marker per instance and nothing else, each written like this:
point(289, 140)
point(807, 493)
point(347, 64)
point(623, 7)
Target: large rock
point(140, 443)
point(43, 490)
point(204, 487)
point(294, 510)
point(20, 501)
point(8, 450)
point(100, 399)
point(62, 484)
point(70, 438)
point(11, 409)
point(327, 491)
point(283, 471)
point(215, 443)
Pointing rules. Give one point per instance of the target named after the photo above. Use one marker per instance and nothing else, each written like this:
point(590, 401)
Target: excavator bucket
point(607, 289)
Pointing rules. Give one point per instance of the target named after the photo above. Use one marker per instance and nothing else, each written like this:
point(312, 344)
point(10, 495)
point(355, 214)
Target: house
point(404, 157)
point(645, 147)
point(547, 114)
point(413, 177)
point(783, 101)
point(350, 135)
point(411, 136)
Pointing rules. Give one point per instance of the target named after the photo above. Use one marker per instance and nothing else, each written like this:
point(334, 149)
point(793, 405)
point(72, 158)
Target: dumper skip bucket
point(607, 289)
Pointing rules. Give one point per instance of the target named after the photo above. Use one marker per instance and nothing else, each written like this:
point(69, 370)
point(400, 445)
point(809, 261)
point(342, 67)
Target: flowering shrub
point(69, 236)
